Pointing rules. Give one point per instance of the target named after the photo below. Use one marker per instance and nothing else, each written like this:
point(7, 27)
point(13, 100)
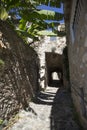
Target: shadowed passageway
point(62, 117)
point(62, 114)
point(51, 110)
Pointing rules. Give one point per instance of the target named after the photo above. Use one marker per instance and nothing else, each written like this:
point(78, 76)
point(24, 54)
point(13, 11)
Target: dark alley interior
point(54, 69)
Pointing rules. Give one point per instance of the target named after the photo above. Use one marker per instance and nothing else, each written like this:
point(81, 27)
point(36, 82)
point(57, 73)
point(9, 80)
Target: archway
point(54, 69)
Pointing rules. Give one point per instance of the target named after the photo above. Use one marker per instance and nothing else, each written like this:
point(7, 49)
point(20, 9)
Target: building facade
point(50, 53)
point(76, 26)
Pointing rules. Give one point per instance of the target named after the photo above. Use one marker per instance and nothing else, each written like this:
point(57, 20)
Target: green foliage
point(53, 3)
point(1, 62)
point(2, 65)
point(28, 13)
point(45, 32)
point(1, 121)
point(3, 13)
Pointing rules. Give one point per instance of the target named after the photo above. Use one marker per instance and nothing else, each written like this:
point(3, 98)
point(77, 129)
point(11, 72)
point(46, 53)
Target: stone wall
point(78, 62)
point(53, 46)
point(18, 73)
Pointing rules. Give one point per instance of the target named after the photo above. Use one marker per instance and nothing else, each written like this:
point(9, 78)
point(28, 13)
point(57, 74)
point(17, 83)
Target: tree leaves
point(3, 13)
point(52, 3)
point(32, 22)
point(46, 33)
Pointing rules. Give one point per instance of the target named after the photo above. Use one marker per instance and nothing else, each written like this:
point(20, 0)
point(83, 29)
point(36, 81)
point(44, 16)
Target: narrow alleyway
point(51, 110)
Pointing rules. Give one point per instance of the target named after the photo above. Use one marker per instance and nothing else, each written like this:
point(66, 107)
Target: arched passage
point(54, 69)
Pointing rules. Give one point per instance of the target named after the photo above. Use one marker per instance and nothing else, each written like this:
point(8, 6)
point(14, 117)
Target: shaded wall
point(77, 52)
point(19, 74)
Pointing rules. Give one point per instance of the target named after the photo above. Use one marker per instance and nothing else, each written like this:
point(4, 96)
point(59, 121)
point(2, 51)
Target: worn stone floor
point(51, 110)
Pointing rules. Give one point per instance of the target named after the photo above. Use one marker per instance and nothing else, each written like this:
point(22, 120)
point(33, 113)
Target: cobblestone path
point(51, 110)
